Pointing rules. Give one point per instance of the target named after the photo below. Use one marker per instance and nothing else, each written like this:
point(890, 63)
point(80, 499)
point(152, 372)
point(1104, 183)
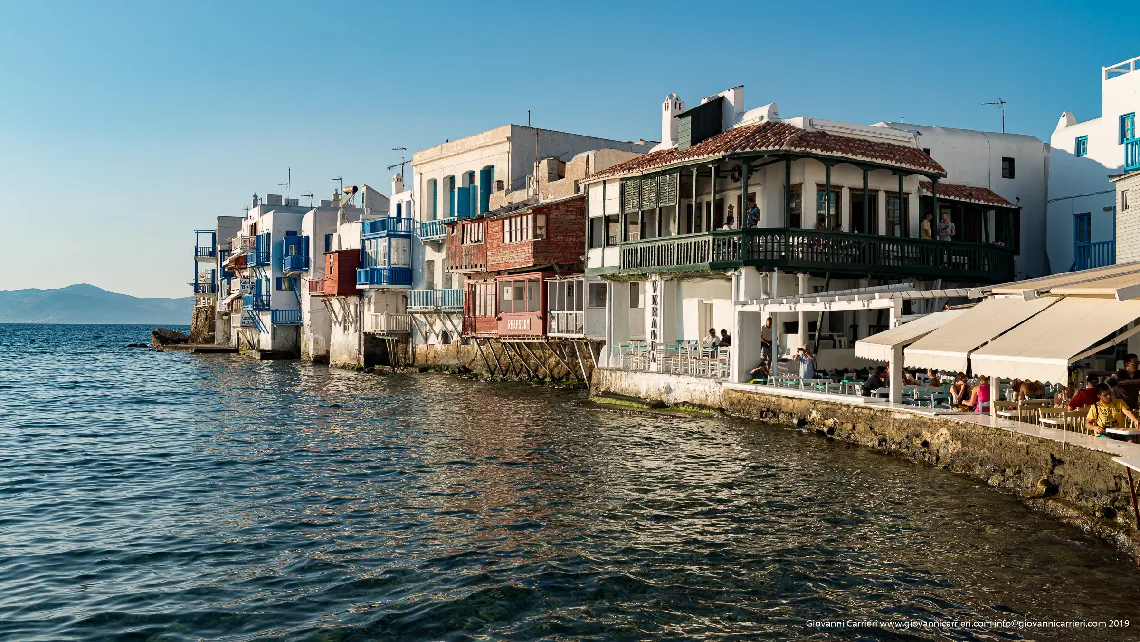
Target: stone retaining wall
point(1080, 486)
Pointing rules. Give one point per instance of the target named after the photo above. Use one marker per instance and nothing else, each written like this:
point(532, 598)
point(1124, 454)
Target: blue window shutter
point(486, 176)
point(399, 210)
point(463, 202)
point(434, 202)
point(279, 251)
point(328, 243)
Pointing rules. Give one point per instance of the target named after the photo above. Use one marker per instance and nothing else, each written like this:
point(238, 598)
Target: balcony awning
point(1042, 348)
point(231, 297)
point(879, 346)
point(949, 347)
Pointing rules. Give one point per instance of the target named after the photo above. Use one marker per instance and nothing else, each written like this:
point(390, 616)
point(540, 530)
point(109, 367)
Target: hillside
point(84, 303)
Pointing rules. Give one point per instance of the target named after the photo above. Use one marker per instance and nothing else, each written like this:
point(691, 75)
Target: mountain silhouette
point(84, 303)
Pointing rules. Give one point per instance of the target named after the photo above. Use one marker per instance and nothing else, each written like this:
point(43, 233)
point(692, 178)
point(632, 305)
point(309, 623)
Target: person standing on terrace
point(753, 214)
point(946, 229)
point(1125, 383)
point(924, 233)
point(807, 363)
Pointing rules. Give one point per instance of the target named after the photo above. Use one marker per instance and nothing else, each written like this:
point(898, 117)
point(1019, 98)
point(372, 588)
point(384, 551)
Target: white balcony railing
point(567, 323)
point(388, 323)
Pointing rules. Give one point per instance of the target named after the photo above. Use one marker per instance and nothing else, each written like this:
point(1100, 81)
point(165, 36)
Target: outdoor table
point(852, 387)
point(885, 392)
point(1129, 435)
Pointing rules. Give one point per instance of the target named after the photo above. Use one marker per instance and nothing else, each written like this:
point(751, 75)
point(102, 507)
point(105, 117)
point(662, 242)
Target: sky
point(124, 126)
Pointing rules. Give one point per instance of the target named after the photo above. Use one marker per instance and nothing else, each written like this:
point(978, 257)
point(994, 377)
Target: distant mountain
point(83, 303)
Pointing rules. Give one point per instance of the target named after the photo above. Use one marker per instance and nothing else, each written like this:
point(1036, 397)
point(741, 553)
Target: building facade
point(212, 280)
point(1127, 217)
point(1082, 207)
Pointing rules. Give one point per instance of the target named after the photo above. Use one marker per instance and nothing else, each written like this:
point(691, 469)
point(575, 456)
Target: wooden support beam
point(585, 376)
point(558, 357)
point(479, 347)
point(541, 363)
point(788, 193)
point(522, 359)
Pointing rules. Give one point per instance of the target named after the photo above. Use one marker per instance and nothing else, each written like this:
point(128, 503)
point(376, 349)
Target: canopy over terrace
point(881, 346)
point(1129, 273)
point(949, 347)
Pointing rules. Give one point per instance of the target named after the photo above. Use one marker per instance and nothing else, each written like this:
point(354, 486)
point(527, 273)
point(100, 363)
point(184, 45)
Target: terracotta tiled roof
point(774, 136)
point(966, 194)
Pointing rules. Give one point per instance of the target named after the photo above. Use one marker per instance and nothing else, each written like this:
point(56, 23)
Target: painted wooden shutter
point(486, 177)
point(463, 202)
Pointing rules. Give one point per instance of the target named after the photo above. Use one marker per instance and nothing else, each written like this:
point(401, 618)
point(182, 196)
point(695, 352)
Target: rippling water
point(177, 497)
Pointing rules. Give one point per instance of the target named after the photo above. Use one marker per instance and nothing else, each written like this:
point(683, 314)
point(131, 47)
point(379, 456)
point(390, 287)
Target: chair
point(1005, 409)
point(1051, 417)
point(939, 400)
point(1075, 420)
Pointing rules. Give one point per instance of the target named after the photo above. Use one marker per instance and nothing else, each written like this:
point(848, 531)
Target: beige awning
point(879, 346)
point(1121, 288)
point(1042, 348)
point(1050, 283)
point(949, 347)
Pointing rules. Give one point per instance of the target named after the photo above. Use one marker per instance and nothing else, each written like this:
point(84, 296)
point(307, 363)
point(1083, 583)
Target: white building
point(1127, 217)
point(387, 256)
point(1014, 166)
point(212, 280)
point(465, 178)
point(1082, 230)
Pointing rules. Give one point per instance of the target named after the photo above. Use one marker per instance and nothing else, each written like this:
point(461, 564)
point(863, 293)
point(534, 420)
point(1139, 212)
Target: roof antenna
point(528, 118)
point(399, 164)
point(999, 103)
point(310, 198)
point(340, 180)
point(288, 184)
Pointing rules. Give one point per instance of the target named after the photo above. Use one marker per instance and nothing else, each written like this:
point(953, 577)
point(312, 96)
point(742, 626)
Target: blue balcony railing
point(1132, 154)
point(255, 302)
point(387, 225)
point(286, 317)
point(204, 251)
point(434, 230)
point(1094, 255)
point(295, 263)
point(380, 277)
point(447, 300)
point(205, 288)
point(258, 258)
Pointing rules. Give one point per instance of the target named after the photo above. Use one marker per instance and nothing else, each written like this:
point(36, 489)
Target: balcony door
point(857, 212)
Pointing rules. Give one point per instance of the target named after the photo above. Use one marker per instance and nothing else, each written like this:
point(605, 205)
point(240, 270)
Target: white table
point(1121, 432)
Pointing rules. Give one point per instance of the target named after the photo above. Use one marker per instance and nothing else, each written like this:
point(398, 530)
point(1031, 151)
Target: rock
point(1047, 487)
point(137, 345)
point(1104, 512)
point(165, 336)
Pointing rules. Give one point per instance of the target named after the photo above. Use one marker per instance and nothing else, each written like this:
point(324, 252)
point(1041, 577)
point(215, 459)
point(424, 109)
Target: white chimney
point(672, 106)
point(397, 184)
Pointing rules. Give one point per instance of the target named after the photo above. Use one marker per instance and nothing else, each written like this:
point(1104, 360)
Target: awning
point(231, 297)
point(1121, 288)
point(1042, 348)
point(1048, 284)
point(949, 347)
point(879, 346)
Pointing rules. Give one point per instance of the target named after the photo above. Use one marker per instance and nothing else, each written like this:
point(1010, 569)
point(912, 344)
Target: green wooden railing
point(810, 250)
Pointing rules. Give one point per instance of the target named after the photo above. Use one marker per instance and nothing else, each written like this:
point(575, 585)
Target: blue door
point(463, 202)
point(486, 177)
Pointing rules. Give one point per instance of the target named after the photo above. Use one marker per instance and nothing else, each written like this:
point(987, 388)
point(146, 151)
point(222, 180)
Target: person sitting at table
point(807, 363)
point(725, 338)
point(760, 371)
point(711, 340)
point(1107, 412)
point(1023, 390)
point(875, 381)
point(932, 375)
point(1064, 396)
point(909, 380)
point(1126, 382)
point(979, 399)
point(959, 389)
point(1085, 396)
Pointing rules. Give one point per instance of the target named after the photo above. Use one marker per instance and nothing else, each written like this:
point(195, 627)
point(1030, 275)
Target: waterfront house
point(212, 280)
point(671, 231)
point(384, 277)
point(462, 179)
point(1127, 217)
point(1082, 209)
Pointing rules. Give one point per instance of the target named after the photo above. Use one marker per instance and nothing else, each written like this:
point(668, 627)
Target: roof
point(949, 347)
point(966, 194)
point(777, 137)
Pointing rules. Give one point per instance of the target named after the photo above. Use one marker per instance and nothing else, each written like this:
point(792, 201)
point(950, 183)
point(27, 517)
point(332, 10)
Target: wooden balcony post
point(866, 205)
point(744, 222)
point(712, 196)
point(697, 214)
point(788, 192)
point(934, 200)
point(657, 214)
point(827, 225)
point(904, 228)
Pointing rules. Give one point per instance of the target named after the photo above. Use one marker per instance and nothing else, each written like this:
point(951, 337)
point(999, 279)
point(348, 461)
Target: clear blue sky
point(125, 125)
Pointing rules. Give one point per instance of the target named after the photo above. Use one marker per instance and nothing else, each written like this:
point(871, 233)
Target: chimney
point(672, 106)
point(397, 184)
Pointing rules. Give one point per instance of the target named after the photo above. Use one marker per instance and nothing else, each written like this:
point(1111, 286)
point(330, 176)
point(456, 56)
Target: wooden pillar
point(866, 205)
point(697, 214)
point(744, 222)
point(904, 228)
point(712, 197)
point(827, 224)
point(934, 204)
point(657, 191)
point(787, 193)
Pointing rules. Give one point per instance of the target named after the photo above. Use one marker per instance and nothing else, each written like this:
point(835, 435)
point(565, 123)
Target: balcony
point(840, 253)
point(387, 225)
point(1132, 154)
point(205, 288)
point(247, 242)
point(205, 251)
point(286, 317)
point(255, 302)
point(295, 264)
point(388, 323)
point(567, 323)
point(316, 287)
point(380, 277)
point(435, 231)
point(1094, 255)
point(430, 300)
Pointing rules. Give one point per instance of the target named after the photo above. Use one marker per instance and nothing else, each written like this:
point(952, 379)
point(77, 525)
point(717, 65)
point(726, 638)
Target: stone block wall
point(1128, 219)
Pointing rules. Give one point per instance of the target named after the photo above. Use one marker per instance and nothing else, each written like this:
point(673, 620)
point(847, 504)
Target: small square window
point(1008, 168)
point(1082, 146)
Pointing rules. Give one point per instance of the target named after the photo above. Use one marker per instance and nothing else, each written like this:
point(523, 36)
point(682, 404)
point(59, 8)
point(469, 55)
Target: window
point(485, 299)
point(1007, 229)
point(926, 150)
point(472, 233)
point(1082, 227)
point(635, 302)
point(1081, 148)
point(827, 218)
point(1008, 169)
point(539, 226)
point(430, 195)
point(328, 243)
point(898, 222)
point(597, 297)
point(1124, 199)
point(282, 284)
point(597, 230)
point(1127, 127)
point(796, 206)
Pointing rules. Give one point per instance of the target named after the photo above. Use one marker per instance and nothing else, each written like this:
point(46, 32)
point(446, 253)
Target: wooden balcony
point(1094, 255)
point(388, 323)
point(443, 300)
point(840, 253)
point(567, 323)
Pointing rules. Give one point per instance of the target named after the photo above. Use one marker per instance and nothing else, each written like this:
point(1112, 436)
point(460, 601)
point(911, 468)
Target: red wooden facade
point(340, 273)
point(507, 306)
point(467, 246)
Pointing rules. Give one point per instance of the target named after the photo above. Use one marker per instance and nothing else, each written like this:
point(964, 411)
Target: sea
point(168, 496)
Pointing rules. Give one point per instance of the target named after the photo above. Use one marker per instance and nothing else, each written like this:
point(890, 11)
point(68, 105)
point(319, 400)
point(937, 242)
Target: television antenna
point(310, 198)
point(340, 180)
point(999, 103)
point(288, 185)
point(400, 164)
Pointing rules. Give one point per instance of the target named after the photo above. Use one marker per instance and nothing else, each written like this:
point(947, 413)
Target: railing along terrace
point(395, 276)
point(387, 225)
point(1132, 154)
point(567, 323)
point(389, 323)
point(839, 252)
point(434, 230)
point(295, 263)
point(204, 251)
point(247, 242)
point(435, 299)
point(205, 288)
point(255, 302)
point(1094, 255)
point(286, 317)
point(316, 286)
